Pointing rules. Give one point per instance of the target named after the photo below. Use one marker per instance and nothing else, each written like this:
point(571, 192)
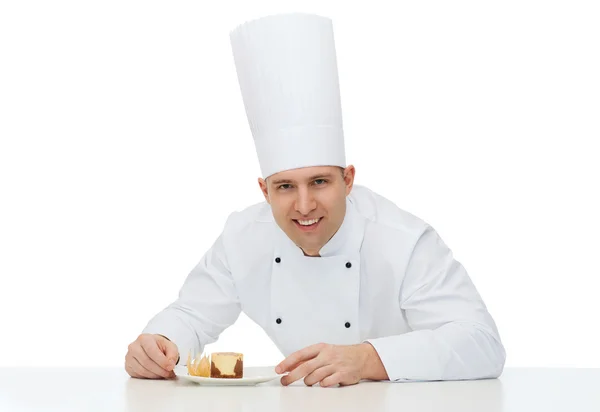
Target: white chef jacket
point(385, 277)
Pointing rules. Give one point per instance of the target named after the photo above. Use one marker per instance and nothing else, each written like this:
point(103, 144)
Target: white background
point(124, 147)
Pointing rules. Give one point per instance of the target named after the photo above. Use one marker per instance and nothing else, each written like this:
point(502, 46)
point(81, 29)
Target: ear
point(349, 174)
point(264, 187)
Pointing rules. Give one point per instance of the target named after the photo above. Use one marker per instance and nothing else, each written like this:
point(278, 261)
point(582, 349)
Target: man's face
point(300, 196)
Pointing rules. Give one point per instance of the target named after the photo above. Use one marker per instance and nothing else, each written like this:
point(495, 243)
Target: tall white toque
point(287, 70)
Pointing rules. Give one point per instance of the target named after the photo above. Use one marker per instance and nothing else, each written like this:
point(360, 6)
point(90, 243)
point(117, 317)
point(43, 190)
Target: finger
point(298, 357)
point(291, 368)
point(150, 347)
point(319, 374)
point(129, 369)
point(137, 370)
point(142, 357)
point(303, 370)
point(331, 380)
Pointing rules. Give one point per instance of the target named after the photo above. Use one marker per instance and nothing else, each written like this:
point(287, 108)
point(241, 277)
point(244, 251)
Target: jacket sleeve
point(207, 305)
point(453, 336)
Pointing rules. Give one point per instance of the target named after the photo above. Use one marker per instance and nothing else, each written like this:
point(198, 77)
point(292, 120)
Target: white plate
point(252, 376)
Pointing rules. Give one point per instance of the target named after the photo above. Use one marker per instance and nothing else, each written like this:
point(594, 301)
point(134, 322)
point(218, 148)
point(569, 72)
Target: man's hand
point(331, 365)
point(151, 357)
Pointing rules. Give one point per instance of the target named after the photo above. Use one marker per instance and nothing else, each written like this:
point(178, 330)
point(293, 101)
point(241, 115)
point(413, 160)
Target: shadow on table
point(178, 395)
point(477, 395)
point(464, 396)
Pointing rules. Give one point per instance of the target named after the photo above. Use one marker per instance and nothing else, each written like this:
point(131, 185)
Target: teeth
point(308, 222)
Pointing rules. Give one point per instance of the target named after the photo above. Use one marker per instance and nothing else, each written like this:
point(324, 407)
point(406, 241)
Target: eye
point(320, 180)
point(283, 186)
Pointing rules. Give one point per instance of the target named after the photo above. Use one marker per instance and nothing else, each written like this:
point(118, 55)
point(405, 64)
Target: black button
point(277, 260)
point(348, 265)
point(278, 321)
point(347, 324)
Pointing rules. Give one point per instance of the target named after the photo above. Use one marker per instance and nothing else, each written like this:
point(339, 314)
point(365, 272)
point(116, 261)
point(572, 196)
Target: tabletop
point(108, 389)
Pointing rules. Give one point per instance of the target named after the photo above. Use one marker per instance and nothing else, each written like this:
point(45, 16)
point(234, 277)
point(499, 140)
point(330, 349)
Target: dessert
point(224, 365)
point(229, 365)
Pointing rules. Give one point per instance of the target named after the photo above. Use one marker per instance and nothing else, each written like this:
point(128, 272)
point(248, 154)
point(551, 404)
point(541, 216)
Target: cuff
point(413, 356)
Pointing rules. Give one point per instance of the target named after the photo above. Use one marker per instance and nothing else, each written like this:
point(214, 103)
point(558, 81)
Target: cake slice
point(228, 365)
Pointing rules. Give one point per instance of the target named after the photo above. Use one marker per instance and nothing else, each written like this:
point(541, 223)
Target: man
point(346, 284)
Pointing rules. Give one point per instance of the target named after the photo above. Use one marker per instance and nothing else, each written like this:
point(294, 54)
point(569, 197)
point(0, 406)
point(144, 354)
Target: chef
point(346, 284)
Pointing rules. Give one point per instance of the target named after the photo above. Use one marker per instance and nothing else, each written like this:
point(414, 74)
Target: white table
point(113, 390)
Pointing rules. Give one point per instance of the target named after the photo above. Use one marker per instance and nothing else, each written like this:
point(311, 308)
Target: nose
point(305, 202)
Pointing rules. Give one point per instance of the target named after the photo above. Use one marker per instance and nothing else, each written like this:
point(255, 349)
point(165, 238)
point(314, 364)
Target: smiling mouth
point(307, 225)
point(308, 222)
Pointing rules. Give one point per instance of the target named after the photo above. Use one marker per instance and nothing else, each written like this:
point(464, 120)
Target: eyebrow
point(320, 176)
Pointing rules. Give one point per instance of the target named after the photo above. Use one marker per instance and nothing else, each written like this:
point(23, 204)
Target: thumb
point(169, 349)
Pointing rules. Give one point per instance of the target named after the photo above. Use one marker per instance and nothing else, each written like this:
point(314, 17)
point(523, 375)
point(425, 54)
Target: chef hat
point(287, 71)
